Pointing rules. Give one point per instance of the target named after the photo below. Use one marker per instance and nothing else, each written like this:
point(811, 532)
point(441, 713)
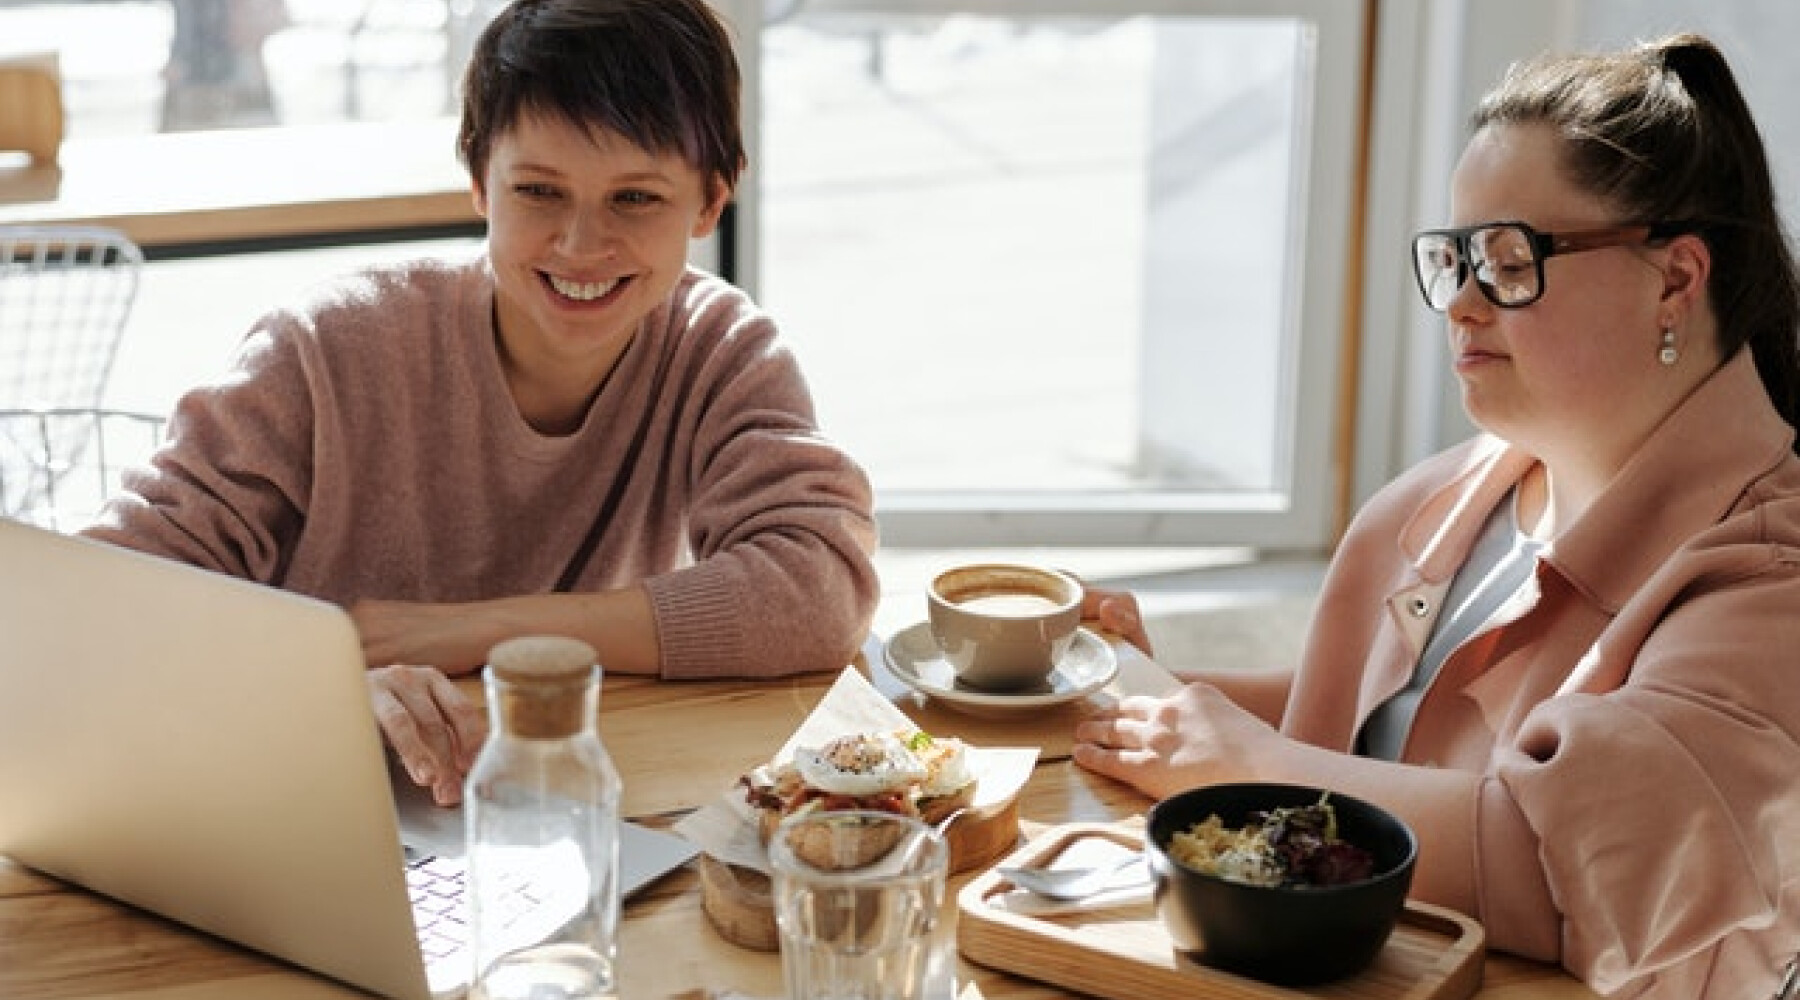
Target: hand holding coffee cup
point(1004, 626)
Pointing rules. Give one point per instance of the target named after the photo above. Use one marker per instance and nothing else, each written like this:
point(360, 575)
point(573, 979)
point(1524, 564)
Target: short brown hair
point(661, 73)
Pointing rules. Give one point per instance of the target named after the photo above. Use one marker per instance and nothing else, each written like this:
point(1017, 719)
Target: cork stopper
point(543, 682)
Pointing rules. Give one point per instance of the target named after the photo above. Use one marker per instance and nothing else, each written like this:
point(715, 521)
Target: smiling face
point(1575, 375)
point(587, 233)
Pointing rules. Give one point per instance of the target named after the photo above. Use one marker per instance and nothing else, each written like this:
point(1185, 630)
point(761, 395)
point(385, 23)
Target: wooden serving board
point(1123, 952)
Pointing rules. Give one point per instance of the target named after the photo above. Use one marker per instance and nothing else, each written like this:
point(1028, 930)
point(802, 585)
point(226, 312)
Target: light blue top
point(1500, 565)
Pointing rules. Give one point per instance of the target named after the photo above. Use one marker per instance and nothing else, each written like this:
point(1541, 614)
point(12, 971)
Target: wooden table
point(677, 745)
point(186, 194)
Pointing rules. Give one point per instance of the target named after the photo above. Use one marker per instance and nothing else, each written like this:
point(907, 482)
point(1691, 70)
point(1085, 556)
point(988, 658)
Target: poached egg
point(864, 764)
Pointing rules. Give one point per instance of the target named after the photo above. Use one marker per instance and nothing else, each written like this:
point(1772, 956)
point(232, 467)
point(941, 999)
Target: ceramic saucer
point(912, 655)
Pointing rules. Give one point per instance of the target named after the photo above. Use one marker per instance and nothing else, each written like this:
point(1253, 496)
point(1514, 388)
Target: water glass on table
point(861, 907)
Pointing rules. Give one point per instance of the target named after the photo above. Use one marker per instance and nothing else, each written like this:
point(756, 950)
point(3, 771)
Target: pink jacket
point(1622, 758)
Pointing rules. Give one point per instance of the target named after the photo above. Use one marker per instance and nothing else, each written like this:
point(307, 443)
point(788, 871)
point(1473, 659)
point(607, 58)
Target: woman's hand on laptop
point(434, 728)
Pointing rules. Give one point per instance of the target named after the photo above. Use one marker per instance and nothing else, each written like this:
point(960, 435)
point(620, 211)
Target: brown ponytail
point(1663, 132)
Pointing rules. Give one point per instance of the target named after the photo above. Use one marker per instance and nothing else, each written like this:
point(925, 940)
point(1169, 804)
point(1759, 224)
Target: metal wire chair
point(65, 293)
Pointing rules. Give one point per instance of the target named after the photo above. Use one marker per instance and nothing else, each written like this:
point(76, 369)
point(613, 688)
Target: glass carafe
point(542, 804)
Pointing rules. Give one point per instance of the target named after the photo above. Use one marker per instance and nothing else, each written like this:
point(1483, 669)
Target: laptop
point(203, 747)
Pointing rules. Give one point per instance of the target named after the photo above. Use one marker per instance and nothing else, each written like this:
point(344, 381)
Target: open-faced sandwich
point(908, 772)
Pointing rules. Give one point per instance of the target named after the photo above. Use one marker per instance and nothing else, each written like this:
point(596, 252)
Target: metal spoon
point(1072, 883)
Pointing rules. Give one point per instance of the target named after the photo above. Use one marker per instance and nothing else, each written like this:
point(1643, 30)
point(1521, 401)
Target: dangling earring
point(1668, 355)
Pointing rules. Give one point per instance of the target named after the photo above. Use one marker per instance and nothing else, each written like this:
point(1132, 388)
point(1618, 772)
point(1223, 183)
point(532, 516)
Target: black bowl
point(1291, 936)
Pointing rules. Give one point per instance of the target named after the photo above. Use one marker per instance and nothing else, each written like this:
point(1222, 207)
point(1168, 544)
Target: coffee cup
point(1003, 626)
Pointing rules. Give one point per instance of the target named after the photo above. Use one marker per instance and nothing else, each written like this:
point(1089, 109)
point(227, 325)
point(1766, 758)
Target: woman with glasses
point(1568, 650)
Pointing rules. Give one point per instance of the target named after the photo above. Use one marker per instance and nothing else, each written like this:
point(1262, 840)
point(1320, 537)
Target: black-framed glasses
point(1507, 258)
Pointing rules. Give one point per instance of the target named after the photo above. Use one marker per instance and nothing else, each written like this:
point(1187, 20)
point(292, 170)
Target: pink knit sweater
point(365, 446)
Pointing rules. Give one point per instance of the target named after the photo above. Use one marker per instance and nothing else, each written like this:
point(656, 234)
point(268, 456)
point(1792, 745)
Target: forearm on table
point(1439, 804)
point(456, 638)
point(617, 623)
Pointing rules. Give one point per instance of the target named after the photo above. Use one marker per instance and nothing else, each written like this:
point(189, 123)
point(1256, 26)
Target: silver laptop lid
point(201, 747)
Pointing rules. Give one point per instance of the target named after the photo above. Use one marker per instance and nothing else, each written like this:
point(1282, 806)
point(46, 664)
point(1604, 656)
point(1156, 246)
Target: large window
point(1060, 271)
point(134, 66)
point(1066, 273)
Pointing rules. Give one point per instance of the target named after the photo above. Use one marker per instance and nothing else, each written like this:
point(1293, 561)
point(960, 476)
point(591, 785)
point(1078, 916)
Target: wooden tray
point(1123, 952)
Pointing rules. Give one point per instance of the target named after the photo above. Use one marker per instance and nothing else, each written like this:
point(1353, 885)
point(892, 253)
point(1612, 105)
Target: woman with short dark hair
point(575, 433)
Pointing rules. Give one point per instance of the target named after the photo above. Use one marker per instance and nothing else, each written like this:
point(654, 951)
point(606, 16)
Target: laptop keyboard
point(438, 887)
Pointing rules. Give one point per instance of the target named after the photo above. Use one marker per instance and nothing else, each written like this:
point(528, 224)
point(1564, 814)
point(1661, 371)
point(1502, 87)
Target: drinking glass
point(859, 900)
